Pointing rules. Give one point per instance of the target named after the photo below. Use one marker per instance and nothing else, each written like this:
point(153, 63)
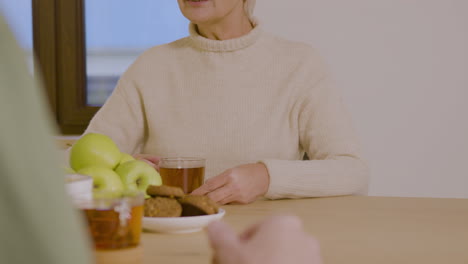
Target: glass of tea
point(114, 219)
point(186, 173)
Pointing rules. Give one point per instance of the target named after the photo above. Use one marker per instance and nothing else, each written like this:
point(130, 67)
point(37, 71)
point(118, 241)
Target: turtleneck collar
point(224, 45)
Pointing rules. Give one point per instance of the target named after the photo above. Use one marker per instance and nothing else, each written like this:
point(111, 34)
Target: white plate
point(178, 225)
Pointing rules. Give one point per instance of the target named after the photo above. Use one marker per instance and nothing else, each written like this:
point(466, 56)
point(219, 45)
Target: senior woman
point(249, 102)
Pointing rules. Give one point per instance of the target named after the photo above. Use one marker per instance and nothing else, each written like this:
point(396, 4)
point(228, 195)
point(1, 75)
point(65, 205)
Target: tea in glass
point(186, 173)
point(114, 223)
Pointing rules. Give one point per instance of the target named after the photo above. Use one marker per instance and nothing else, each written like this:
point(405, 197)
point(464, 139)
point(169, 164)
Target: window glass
point(117, 31)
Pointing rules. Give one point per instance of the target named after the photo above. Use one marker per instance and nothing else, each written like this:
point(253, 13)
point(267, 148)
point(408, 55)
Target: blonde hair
point(249, 7)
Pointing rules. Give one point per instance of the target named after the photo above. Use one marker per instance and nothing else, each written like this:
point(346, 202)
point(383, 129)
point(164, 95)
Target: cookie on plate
point(193, 205)
point(165, 191)
point(162, 207)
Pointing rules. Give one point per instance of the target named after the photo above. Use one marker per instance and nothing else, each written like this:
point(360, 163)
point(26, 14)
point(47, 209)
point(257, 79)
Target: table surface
point(350, 229)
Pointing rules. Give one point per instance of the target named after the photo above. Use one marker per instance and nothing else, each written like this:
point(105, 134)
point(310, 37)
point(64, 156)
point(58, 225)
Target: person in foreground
point(276, 240)
point(249, 102)
point(38, 224)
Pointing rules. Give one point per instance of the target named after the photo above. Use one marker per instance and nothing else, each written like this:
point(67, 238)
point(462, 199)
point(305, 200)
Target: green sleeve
point(37, 221)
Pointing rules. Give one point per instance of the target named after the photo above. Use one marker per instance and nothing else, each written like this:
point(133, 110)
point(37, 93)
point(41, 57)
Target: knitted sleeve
point(336, 166)
point(122, 117)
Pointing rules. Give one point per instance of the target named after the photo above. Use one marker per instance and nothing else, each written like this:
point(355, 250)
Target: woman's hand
point(150, 159)
point(242, 184)
point(278, 239)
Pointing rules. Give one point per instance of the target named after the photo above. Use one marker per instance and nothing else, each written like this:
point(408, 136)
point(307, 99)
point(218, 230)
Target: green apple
point(138, 175)
point(94, 149)
point(104, 179)
point(68, 170)
point(126, 157)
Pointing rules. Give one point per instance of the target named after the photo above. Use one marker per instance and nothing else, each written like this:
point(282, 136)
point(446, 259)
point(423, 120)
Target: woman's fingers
point(211, 185)
point(222, 195)
point(148, 157)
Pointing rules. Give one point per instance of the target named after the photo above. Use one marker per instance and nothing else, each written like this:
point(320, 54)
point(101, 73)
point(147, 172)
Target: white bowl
point(179, 225)
point(79, 187)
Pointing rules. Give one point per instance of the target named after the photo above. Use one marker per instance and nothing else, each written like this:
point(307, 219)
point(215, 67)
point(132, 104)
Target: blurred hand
point(242, 184)
point(150, 159)
point(277, 240)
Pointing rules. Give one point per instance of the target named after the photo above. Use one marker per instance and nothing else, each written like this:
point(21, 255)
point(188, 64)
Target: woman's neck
point(228, 28)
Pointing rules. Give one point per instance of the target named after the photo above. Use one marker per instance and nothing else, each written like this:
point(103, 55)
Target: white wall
point(403, 68)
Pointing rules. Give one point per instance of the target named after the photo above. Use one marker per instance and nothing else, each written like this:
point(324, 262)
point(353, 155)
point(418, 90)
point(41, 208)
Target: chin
point(199, 16)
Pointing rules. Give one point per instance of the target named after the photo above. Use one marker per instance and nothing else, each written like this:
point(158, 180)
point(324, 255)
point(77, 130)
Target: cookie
point(165, 191)
point(193, 205)
point(162, 207)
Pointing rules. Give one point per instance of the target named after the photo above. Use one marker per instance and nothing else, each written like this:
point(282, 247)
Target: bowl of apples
point(111, 170)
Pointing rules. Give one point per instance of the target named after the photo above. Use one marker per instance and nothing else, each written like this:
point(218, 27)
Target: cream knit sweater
point(245, 100)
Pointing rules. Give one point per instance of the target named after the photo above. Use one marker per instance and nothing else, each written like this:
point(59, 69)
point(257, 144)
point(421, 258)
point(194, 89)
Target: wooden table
point(351, 229)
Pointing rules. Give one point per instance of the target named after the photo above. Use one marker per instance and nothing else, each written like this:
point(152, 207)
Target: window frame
point(59, 46)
